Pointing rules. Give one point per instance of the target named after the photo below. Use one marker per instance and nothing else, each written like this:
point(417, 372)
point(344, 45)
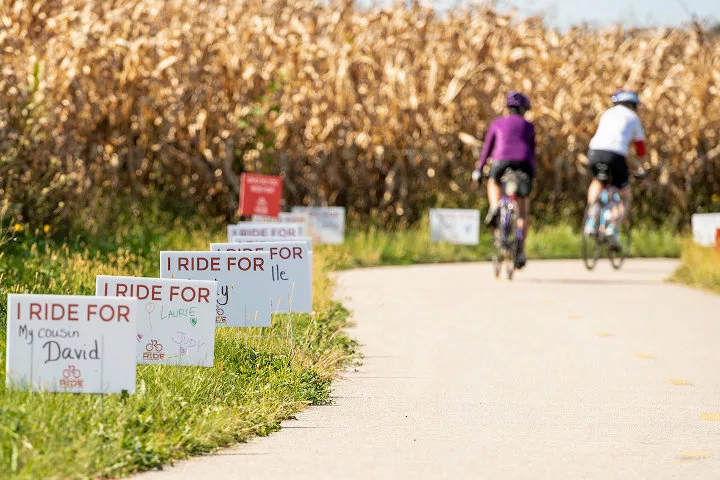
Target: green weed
point(699, 267)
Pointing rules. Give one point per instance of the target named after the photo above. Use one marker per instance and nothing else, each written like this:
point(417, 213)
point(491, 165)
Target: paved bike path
point(561, 373)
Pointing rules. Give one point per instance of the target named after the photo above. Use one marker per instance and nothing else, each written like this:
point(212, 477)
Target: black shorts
point(602, 161)
point(499, 166)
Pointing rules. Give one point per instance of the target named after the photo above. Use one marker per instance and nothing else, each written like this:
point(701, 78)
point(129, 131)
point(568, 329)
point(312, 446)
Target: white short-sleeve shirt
point(619, 126)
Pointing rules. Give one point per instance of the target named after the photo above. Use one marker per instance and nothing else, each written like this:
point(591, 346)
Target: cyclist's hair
point(517, 110)
point(630, 105)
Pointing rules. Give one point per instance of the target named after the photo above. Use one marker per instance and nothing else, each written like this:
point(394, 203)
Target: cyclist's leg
point(523, 213)
point(594, 158)
point(600, 166)
point(595, 187)
point(594, 191)
point(624, 206)
point(621, 181)
point(494, 191)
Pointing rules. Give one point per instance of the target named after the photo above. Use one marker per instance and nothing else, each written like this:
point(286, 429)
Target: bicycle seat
point(511, 179)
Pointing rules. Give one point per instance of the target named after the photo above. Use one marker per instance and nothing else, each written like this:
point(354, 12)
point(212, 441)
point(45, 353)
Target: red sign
point(260, 194)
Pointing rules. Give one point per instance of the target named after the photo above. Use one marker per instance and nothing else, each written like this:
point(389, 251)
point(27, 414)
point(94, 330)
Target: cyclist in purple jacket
point(510, 142)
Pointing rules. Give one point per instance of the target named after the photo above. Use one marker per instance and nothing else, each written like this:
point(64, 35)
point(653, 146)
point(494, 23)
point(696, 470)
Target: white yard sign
point(266, 229)
point(291, 272)
point(455, 225)
point(243, 283)
point(71, 343)
point(176, 320)
point(327, 224)
point(286, 217)
point(704, 227)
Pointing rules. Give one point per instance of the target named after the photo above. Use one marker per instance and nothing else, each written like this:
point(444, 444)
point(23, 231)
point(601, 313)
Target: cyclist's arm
point(487, 147)
point(639, 142)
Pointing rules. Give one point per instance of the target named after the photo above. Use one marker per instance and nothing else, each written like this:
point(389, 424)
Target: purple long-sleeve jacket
point(509, 138)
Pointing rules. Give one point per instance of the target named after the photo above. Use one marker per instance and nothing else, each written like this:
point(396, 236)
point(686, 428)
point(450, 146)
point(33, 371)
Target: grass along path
point(699, 267)
point(376, 246)
point(255, 383)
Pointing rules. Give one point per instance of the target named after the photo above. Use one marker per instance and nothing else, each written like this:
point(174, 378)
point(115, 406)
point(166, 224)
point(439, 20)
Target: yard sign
point(266, 229)
point(71, 343)
point(260, 194)
point(286, 217)
point(327, 224)
point(176, 320)
point(291, 272)
point(243, 283)
point(454, 225)
point(705, 227)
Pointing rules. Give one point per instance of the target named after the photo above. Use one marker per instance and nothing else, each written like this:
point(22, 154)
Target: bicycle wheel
point(618, 258)
point(510, 226)
point(591, 243)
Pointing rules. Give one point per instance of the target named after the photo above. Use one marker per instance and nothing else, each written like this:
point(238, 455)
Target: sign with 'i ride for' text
point(290, 271)
point(176, 318)
point(71, 343)
point(266, 230)
point(243, 283)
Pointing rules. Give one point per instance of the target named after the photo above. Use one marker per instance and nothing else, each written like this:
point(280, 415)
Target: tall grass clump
point(171, 99)
point(700, 267)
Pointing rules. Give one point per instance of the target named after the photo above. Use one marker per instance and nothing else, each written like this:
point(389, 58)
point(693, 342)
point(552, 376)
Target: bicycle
point(602, 210)
point(507, 237)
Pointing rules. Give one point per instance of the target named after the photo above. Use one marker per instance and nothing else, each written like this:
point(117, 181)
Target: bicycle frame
point(508, 205)
point(608, 198)
point(505, 244)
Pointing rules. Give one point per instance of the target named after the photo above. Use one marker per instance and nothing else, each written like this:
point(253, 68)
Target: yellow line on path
point(646, 356)
point(679, 382)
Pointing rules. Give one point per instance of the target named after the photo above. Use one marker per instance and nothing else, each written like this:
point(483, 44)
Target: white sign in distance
point(291, 272)
point(71, 343)
point(704, 227)
point(243, 283)
point(455, 225)
point(176, 319)
point(327, 224)
point(266, 229)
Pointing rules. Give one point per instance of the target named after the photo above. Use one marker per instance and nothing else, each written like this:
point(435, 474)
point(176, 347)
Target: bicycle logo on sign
point(71, 378)
point(220, 316)
point(153, 351)
point(71, 371)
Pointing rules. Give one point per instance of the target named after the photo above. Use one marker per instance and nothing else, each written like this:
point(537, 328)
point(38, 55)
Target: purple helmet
point(517, 99)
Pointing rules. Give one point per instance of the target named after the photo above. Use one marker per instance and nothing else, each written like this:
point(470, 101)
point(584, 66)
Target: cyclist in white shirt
point(619, 126)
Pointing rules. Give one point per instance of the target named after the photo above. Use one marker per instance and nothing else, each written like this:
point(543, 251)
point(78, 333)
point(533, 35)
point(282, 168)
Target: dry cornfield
point(169, 100)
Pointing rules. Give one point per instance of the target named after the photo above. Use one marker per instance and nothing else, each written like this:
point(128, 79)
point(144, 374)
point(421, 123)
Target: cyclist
point(618, 127)
point(510, 142)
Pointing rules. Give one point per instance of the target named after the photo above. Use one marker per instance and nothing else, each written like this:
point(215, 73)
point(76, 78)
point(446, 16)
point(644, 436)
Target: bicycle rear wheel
point(618, 258)
point(510, 226)
point(591, 244)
